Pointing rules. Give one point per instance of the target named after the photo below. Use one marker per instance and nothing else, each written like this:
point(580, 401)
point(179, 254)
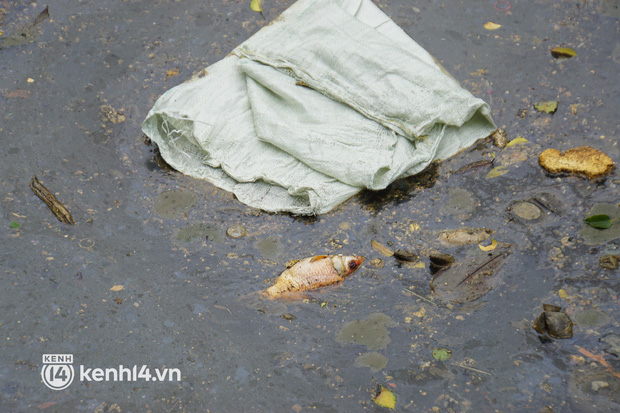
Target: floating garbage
point(440, 261)
point(314, 272)
point(554, 323)
point(472, 277)
point(583, 161)
point(610, 261)
point(288, 121)
point(236, 231)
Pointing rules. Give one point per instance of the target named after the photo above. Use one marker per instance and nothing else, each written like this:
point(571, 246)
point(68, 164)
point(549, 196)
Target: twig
point(52, 203)
point(471, 368)
point(419, 296)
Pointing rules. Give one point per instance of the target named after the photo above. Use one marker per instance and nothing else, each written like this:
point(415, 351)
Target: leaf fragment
point(516, 141)
point(385, 399)
point(473, 165)
point(17, 93)
point(547, 106)
point(489, 247)
point(381, 248)
point(15, 224)
point(442, 354)
point(173, 72)
point(50, 200)
point(117, 287)
point(601, 221)
point(497, 171)
point(566, 52)
point(492, 26)
point(256, 5)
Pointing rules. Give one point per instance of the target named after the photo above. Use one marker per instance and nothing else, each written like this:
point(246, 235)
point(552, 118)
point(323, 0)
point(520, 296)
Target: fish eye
point(352, 265)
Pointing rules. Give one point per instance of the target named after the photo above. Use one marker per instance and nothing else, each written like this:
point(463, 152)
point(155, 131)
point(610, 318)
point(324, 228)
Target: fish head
point(347, 264)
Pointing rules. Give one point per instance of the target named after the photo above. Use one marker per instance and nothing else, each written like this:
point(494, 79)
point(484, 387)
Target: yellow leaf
point(489, 247)
point(256, 5)
point(566, 52)
point(497, 171)
point(515, 141)
point(562, 293)
point(117, 288)
point(385, 399)
point(492, 26)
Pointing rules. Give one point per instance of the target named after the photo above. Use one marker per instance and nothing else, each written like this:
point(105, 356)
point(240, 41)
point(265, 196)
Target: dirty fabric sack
point(330, 98)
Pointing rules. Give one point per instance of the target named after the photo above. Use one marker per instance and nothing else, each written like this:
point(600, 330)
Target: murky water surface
point(149, 277)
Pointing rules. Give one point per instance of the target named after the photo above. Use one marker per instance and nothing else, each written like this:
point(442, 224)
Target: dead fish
point(314, 272)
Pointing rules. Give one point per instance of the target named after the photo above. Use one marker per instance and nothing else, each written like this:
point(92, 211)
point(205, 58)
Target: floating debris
point(497, 171)
point(52, 203)
point(440, 261)
point(464, 236)
point(385, 398)
point(591, 318)
point(474, 165)
point(610, 261)
point(526, 210)
point(461, 203)
point(547, 106)
point(288, 316)
point(404, 255)
point(601, 221)
point(584, 161)
point(173, 204)
point(499, 138)
point(236, 231)
point(377, 263)
point(109, 114)
point(491, 26)
point(442, 354)
point(314, 272)
point(516, 141)
point(565, 52)
point(490, 247)
point(270, 247)
point(554, 323)
point(27, 33)
point(593, 236)
point(371, 332)
point(381, 248)
point(613, 343)
point(375, 361)
point(472, 278)
point(192, 232)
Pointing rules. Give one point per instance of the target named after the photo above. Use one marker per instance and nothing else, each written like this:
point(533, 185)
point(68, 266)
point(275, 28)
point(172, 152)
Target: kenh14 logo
point(57, 371)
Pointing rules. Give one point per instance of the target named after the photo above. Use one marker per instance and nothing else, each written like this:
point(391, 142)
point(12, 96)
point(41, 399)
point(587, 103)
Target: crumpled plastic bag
point(330, 98)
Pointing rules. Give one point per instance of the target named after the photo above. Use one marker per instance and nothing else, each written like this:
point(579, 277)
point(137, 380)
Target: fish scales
point(315, 272)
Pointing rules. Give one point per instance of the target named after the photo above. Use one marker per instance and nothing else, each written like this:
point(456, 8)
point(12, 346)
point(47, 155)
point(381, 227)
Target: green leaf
point(15, 224)
point(547, 106)
point(323, 304)
point(601, 221)
point(442, 354)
